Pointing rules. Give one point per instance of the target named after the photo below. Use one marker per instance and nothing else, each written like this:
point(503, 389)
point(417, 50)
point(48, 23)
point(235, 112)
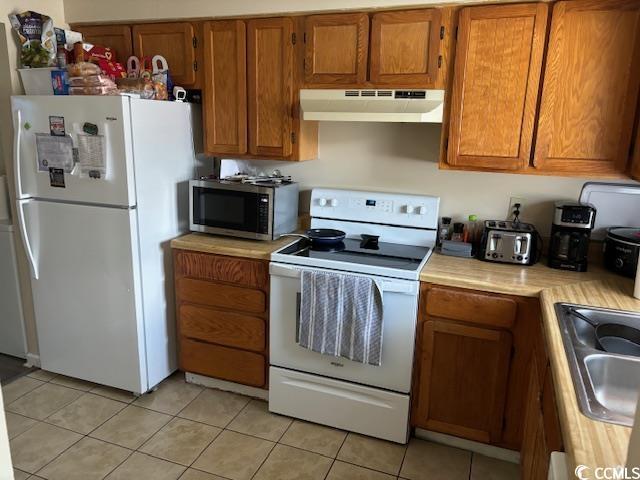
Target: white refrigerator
point(102, 187)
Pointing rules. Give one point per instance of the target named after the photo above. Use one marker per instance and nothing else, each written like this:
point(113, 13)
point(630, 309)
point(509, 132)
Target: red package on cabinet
point(87, 52)
point(112, 69)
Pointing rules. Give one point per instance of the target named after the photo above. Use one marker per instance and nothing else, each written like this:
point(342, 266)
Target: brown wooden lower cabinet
point(221, 362)
point(542, 427)
point(473, 372)
point(222, 316)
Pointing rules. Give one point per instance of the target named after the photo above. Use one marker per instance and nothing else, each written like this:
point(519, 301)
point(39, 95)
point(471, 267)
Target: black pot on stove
point(621, 250)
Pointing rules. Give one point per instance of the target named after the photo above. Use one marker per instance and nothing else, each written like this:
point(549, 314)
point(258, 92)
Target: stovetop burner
point(366, 251)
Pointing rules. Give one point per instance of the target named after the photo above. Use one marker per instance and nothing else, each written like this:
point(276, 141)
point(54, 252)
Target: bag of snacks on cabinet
point(37, 39)
point(83, 69)
point(160, 77)
point(88, 52)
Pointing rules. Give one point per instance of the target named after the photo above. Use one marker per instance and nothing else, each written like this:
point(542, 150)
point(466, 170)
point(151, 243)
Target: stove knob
point(409, 209)
point(422, 210)
point(333, 202)
point(322, 202)
point(619, 263)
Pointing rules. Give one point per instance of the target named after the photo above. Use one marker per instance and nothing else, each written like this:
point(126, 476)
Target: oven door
point(236, 210)
point(400, 305)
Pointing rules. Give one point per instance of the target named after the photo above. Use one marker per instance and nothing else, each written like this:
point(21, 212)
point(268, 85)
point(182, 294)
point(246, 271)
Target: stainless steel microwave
point(260, 212)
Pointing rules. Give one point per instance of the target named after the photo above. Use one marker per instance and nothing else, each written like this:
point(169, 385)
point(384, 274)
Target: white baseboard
point(511, 456)
point(226, 386)
point(32, 360)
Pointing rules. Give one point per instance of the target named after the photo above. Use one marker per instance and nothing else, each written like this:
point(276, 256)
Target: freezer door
point(86, 296)
point(36, 149)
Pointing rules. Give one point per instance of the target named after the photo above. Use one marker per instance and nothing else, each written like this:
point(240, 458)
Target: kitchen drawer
point(224, 328)
point(221, 295)
point(472, 307)
point(224, 363)
point(251, 273)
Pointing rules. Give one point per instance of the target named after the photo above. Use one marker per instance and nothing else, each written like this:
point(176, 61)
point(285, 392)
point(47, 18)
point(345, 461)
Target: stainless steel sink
point(606, 384)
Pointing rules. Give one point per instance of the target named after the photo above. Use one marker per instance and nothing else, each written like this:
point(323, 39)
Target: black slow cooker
point(621, 250)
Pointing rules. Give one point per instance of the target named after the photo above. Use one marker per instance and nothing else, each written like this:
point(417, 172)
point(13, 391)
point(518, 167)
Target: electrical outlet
point(512, 207)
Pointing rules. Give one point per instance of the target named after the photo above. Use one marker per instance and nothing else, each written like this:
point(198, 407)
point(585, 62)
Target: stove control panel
point(376, 207)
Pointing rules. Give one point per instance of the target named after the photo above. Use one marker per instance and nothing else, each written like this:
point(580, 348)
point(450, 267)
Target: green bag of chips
point(37, 39)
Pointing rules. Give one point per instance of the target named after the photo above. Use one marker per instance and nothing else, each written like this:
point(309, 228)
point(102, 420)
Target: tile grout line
point(337, 453)
point(404, 455)
point(222, 429)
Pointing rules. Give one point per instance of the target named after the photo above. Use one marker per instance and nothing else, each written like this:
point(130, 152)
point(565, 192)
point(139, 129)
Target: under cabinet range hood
point(370, 105)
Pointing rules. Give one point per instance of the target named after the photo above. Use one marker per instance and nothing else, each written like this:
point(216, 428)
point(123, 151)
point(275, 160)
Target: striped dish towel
point(341, 315)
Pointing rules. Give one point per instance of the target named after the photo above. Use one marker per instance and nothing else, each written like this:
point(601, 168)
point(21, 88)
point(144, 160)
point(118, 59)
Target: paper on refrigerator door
point(54, 152)
point(91, 156)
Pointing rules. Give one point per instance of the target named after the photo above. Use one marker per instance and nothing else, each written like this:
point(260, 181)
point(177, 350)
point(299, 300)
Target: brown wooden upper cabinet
point(589, 85)
point(177, 42)
point(404, 47)
point(270, 77)
point(590, 88)
point(495, 87)
point(117, 37)
point(225, 94)
point(635, 160)
point(336, 48)
point(401, 49)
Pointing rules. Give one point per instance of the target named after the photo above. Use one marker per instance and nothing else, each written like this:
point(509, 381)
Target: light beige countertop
point(587, 441)
point(233, 247)
point(502, 278)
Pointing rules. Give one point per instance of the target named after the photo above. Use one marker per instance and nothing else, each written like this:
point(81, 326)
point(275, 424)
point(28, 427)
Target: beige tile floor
point(66, 429)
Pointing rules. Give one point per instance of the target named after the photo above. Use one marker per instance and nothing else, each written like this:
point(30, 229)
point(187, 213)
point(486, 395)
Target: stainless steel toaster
point(509, 242)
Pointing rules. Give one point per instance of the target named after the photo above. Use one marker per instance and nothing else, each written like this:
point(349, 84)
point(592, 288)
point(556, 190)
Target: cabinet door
point(463, 380)
point(532, 423)
point(591, 82)
point(117, 37)
point(225, 92)
point(635, 159)
point(336, 48)
point(404, 48)
point(270, 76)
point(495, 86)
point(174, 41)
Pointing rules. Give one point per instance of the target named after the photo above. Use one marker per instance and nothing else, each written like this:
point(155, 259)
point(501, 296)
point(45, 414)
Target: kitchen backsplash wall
point(398, 157)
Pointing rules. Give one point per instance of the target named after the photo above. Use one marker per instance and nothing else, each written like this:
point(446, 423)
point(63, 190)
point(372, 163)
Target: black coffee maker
point(570, 234)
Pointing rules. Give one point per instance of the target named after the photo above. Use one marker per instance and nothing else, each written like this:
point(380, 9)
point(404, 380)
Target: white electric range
point(335, 391)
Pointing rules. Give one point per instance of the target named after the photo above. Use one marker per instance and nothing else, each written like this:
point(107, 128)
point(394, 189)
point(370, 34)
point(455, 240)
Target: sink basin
point(606, 384)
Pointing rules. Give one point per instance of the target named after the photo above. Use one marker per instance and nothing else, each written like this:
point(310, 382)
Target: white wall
point(401, 157)
point(123, 10)
point(10, 85)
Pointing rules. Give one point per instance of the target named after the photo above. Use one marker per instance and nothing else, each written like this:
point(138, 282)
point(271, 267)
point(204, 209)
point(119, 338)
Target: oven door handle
point(385, 285)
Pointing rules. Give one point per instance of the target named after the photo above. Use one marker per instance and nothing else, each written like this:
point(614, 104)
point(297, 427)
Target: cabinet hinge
point(304, 37)
point(446, 143)
point(304, 64)
point(195, 66)
point(293, 137)
point(293, 38)
point(439, 61)
point(194, 42)
point(441, 32)
point(456, 33)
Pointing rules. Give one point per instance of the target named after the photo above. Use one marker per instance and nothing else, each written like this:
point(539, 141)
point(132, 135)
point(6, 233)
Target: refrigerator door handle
point(25, 237)
point(17, 138)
